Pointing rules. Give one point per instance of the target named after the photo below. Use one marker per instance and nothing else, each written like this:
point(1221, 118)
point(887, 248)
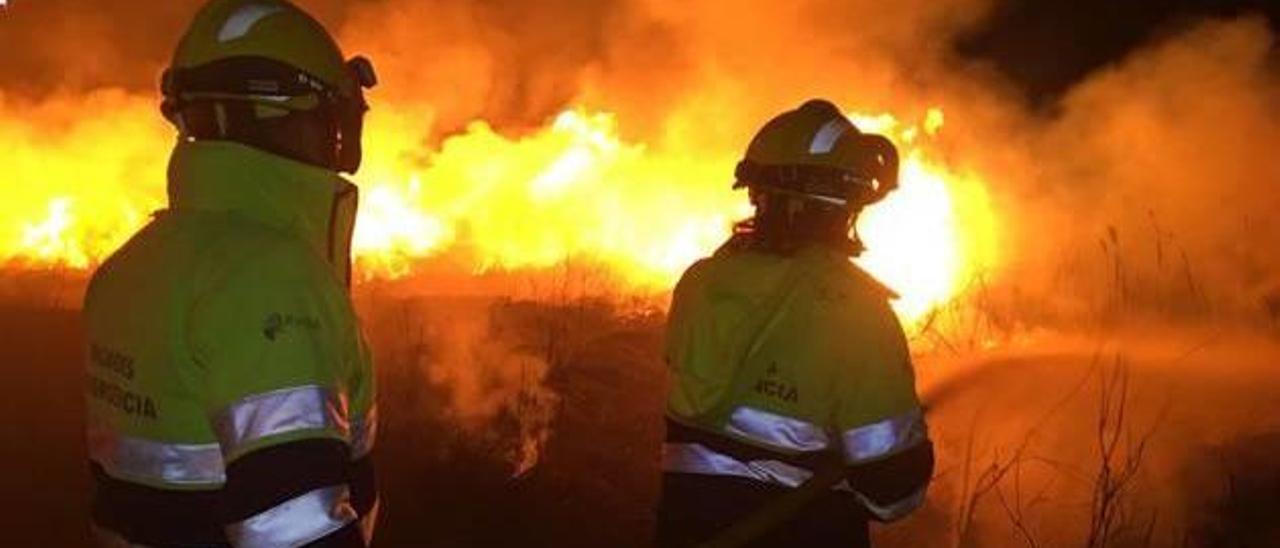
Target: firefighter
point(786, 357)
point(231, 394)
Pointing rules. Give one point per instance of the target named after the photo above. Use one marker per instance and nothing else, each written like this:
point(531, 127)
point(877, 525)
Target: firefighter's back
point(153, 441)
point(788, 364)
point(150, 446)
point(780, 333)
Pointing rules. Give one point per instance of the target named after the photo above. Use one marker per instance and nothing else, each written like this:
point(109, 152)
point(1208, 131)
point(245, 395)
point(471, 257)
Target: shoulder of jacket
point(871, 282)
point(698, 273)
point(112, 271)
point(853, 280)
point(262, 254)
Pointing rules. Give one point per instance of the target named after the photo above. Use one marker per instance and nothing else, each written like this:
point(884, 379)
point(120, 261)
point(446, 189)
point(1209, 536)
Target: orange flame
point(573, 189)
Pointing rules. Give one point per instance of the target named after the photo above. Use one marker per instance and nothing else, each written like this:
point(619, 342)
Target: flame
point(574, 189)
point(79, 185)
point(935, 233)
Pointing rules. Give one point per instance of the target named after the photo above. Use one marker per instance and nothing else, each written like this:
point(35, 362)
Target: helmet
point(268, 58)
point(815, 152)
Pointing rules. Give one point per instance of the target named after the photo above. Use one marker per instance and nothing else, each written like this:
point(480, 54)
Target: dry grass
point(590, 405)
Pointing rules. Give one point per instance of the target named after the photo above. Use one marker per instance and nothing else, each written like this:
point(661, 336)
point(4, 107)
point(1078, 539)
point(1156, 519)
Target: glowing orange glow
point(78, 186)
point(932, 235)
point(574, 189)
point(924, 218)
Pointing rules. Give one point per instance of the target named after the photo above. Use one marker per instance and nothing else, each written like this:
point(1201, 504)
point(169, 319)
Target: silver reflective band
point(280, 412)
point(776, 430)
point(243, 20)
point(825, 139)
point(152, 461)
point(894, 510)
point(363, 433)
point(297, 521)
point(884, 437)
point(695, 458)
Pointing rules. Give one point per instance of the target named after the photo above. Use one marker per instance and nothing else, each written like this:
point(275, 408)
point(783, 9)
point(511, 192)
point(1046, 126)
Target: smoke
point(515, 64)
point(1149, 187)
point(1020, 439)
point(491, 382)
point(80, 45)
point(1153, 178)
point(661, 65)
point(459, 365)
point(1144, 188)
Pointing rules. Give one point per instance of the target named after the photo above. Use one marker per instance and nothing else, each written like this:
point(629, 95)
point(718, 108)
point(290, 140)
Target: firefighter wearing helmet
point(786, 357)
point(231, 394)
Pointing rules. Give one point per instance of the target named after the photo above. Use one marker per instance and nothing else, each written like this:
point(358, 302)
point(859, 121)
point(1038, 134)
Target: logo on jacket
point(773, 387)
point(121, 398)
point(111, 360)
point(276, 323)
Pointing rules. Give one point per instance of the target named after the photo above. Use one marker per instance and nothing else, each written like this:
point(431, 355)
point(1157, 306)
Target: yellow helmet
point(274, 56)
point(815, 152)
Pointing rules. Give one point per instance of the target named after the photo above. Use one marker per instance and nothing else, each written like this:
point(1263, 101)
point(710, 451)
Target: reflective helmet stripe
point(242, 21)
point(825, 138)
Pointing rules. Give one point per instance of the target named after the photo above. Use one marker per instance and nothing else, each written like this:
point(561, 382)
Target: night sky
point(1046, 46)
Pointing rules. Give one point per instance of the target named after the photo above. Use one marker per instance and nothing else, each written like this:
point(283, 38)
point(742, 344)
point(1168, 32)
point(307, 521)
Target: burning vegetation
point(574, 190)
point(537, 176)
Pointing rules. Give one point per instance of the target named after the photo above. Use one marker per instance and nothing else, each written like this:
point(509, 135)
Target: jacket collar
point(314, 204)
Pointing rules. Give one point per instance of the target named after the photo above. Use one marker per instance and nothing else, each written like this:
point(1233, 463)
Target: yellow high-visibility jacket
point(226, 362)
point(795, 355)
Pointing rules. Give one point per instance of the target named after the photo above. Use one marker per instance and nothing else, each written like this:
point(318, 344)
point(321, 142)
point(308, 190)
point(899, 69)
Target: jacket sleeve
point(679, 328)
point(881, 425)
point(692, 347)
point(273, 344)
